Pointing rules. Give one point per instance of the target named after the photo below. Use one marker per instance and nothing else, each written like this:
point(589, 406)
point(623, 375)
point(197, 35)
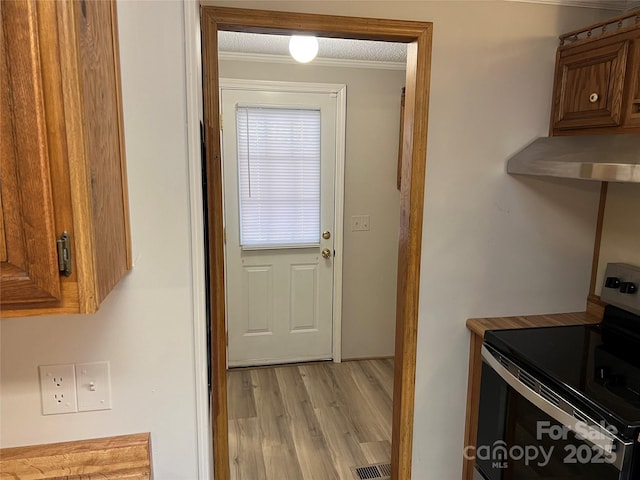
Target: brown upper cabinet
point(62, 173)
point(597, 81)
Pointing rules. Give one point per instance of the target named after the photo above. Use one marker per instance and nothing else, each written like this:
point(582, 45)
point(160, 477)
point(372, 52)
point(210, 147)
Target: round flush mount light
point(303, 48)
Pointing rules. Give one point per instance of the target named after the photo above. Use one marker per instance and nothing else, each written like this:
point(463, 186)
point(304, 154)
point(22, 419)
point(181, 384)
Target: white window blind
point(279, 176)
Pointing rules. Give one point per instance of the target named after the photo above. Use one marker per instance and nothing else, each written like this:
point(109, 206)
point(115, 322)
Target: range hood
point(611, 158)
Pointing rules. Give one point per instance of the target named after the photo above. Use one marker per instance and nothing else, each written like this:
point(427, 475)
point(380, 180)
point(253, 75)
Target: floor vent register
point(379, 471)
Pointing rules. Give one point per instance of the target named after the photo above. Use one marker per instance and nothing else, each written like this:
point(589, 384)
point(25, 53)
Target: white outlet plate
point(94, 386)
point(360, 223)
point(58, 389)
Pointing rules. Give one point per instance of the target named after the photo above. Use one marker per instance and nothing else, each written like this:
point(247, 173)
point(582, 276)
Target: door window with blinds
point(278, 176)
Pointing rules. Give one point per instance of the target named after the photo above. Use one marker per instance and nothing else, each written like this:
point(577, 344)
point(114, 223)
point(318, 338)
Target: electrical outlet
point(58, 389)
point(360, 223)
point(94, 386)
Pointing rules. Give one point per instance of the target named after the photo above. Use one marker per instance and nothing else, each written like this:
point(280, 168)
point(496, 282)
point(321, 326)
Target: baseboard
point(379, 357)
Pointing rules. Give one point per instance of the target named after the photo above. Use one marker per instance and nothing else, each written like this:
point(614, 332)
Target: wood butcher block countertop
point(126, 457)
point(481, 325)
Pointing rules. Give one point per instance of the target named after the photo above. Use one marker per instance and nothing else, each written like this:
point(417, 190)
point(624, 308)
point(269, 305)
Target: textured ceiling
point(336, 48)
point(237, 42)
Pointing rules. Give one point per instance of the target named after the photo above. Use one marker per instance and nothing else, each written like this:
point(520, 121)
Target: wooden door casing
point(418, 36)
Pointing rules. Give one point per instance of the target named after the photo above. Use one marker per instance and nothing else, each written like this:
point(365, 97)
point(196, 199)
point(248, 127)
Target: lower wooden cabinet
point(62, 173)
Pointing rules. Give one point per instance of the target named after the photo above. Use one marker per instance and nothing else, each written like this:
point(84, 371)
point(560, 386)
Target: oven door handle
point(616, 450)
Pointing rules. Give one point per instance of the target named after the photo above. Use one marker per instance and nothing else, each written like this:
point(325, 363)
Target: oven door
point(525, 431)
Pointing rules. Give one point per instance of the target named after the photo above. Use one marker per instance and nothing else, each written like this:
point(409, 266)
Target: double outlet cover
point(82, 387)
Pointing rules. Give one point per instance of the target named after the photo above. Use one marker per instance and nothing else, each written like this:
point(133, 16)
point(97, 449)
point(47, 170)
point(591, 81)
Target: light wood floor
point(311, 421)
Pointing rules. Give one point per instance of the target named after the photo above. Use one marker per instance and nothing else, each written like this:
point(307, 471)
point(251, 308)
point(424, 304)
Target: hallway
point(309, 421)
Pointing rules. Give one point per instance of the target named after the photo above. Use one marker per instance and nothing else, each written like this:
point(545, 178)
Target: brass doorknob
point(326, 253)
point(326, 234)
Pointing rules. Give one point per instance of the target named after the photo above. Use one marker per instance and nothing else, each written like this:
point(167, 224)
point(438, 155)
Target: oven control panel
point(621, 286)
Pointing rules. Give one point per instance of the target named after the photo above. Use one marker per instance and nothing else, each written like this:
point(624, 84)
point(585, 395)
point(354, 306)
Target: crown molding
point(324, 62)
point(615, 5)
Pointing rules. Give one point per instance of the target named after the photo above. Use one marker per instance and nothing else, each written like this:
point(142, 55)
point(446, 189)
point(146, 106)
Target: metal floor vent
point(379, 471)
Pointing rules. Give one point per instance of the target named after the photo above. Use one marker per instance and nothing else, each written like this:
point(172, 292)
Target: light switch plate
point(94, 386)
point(360, 223)
point(58, 389)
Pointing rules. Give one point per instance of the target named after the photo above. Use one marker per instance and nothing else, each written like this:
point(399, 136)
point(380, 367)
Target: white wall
point(370, 258)
point(493, 244)
point(620, 229)
point(144, 328)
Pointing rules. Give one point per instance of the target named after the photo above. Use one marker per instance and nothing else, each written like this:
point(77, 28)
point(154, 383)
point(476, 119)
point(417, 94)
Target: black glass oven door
point(520, 438)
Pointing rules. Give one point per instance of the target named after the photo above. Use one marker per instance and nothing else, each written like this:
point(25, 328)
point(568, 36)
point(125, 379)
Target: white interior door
point(279, 151)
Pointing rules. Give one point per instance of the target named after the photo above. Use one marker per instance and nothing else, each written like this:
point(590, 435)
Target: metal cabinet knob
point(594, 97)
point(326, 253)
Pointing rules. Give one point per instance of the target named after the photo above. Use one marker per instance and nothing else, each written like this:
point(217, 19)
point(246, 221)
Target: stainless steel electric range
point(562, 403)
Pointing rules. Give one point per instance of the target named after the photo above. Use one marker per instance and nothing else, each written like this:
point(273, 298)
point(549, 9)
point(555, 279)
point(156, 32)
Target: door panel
point(257, 301)
point(304, 297)
point(279, 295)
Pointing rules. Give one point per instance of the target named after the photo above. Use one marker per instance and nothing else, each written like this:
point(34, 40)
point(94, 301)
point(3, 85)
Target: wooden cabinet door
point(633, 97)
point(28, 254)
point(589, 88)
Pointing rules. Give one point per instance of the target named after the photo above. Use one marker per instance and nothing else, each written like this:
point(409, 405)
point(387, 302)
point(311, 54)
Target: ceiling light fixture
point(303, 48)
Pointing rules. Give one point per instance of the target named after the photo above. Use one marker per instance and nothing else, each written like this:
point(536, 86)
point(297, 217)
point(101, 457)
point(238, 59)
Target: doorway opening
point(311, 421)
point(418, 37)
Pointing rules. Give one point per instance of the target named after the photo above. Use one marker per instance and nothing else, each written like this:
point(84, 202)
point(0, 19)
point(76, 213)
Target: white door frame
point(340, 91)
point(194, 115)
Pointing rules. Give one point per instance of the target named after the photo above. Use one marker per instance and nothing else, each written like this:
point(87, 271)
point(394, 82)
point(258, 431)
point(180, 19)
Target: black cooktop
point(596, 367)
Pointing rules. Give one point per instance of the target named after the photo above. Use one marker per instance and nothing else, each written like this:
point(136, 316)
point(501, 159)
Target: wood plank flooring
point(310, 421)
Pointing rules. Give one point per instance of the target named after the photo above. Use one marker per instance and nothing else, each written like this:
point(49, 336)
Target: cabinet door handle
point(594, 97)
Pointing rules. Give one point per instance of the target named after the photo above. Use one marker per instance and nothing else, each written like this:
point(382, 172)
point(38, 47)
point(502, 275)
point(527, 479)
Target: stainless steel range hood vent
point(612, 158)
